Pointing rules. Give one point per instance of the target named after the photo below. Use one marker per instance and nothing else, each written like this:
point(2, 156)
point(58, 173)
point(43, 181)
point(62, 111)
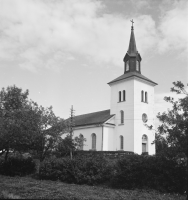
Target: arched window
point(124, 95)
point(121, 142)
point(122, 116)
point(119, 96)
point(93, 141)
point(81, 142)
point(146, 97)
point(142, 96)
point(144, 143)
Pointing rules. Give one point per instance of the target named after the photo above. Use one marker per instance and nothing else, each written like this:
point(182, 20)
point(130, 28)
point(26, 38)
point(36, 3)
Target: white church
point(122, 127)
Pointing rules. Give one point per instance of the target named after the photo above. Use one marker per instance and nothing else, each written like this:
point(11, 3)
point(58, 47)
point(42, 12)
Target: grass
point(29, 188)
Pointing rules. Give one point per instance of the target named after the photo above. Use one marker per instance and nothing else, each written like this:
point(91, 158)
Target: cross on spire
point(132, 28)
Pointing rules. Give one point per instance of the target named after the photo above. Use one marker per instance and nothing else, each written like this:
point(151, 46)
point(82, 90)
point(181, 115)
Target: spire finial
point(132, 28)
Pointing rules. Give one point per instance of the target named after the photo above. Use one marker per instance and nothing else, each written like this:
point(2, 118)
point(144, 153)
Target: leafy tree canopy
point(172, 134)
point(26, 126)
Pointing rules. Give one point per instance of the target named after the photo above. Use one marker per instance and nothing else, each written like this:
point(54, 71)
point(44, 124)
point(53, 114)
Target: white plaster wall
point(86, 132)
point(126, 129)
point(140, 108)
point(133, 127)
point(108, 139)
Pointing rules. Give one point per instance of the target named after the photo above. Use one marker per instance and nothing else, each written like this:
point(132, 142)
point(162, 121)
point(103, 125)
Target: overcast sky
point(66, 51)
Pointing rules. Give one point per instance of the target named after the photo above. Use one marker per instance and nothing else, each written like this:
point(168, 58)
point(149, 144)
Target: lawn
point(29, 188)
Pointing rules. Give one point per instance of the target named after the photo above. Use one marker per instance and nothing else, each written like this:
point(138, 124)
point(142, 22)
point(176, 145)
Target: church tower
point(132, 103)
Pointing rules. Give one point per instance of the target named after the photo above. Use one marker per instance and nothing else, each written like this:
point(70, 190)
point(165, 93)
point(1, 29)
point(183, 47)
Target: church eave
point(123, 78)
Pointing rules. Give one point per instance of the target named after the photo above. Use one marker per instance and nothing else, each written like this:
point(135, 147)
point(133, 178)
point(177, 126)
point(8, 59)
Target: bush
point(155, 172)
point(132, 171)
point(17, 166)
point(80, 170)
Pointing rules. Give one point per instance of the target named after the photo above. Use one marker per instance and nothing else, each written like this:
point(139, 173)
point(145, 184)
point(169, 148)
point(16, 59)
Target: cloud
point(47, 33)
point(174, 30)
point(33, 31)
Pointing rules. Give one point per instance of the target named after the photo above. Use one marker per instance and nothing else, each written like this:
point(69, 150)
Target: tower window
point(142, 96)
point(93, 141)
point(124, 95)
point(119, 96)
point(137, 65)
point(122, 116)
point(127, 66)
point(121, 142)
point(144, 143)
point(146, 97)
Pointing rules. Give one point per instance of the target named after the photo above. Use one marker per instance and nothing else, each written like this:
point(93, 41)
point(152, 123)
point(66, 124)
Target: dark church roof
point(92, 118)
point(131, 74)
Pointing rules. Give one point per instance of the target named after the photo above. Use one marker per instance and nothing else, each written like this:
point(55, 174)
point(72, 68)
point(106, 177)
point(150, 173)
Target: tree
point(25, 126)
point(15, 124)
point(49, 131)
point(172, 134)
point(68, 143)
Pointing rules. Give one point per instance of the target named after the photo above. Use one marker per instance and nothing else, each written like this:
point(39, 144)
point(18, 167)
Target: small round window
point(144, 118)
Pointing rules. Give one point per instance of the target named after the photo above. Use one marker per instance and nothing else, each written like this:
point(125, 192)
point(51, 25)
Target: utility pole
point(71, 128)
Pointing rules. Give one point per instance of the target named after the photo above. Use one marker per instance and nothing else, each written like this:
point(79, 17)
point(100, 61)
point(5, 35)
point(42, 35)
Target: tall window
point(137, 65)
point(93, 141)
point(127, 66)
point(142, 96)
point(119, 96)
point(144, 143)
point(146, 97)
point(124, 95)
point(121, 142)
point(81, 142)
point(122, 116)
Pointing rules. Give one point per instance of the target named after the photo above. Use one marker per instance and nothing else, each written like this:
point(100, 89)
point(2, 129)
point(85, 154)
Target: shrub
point(132, 171)
point(80, 170)
point(154, 172)
point(17, 166)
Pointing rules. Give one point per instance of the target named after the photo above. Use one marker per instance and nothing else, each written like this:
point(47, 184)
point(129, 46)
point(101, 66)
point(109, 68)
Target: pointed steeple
point(132, 58)
point(132, 50)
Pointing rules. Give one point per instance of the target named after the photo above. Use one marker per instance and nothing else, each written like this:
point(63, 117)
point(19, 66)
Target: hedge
point(16, 166)
point(155, 172)
point(130, 172)
point(80, 170)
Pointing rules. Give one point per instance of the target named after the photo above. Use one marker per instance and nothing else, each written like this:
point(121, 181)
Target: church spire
point(132, 44)
point(132, 58)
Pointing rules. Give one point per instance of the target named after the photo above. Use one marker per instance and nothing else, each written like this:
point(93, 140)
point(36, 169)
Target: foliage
point(65, 145)
point(154, 172)
point(130, 172)
point(80, 170)
point(49, 131)
point(15, 119)
point(172, 134)
point(25, 126)
point(17, 166)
